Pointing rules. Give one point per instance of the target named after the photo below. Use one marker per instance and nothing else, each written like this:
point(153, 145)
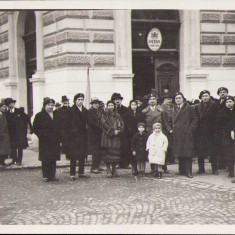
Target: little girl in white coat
point(157, 144)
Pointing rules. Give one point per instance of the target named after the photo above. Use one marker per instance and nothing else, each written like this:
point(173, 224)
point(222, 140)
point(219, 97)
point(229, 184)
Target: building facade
point(51, 53)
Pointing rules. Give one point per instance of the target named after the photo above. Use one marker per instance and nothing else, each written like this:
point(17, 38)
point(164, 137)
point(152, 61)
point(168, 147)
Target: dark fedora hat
point(9, 101)
point(64, 98)
point(116, 96)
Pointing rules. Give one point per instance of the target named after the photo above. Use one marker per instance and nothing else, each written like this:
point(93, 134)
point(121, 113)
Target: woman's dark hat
point(229, 97)
point(9, 101)
point(178, 93)
point(48, 100)
point(116, 96)
point(78, 96)
point(64, 99)
point(138, 98)
point(204, 92)
point(222, 89)
point(57, 104)
point(110, 101)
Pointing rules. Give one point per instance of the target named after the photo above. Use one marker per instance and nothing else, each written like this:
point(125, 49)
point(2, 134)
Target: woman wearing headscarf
point(48, 128)
point(112, 126)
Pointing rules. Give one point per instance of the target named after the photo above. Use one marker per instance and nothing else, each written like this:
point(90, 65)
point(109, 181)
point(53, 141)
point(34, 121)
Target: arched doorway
point(155, 69)
point(29, 38)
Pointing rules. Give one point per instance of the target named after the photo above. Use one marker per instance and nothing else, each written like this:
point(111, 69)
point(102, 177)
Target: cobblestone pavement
point(26, 199)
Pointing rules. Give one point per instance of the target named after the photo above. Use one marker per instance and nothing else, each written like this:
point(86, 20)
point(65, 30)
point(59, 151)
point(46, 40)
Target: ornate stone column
point(11, 82)
point(38, 79)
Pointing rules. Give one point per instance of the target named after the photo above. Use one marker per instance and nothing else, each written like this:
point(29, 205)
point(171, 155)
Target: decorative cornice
point(123, 76)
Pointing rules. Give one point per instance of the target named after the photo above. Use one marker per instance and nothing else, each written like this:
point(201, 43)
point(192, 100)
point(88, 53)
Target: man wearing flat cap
point(122, 110)
point(94, 134)
point(224, 124)
point(12, 116)
point(77, 136)
point(206, 112)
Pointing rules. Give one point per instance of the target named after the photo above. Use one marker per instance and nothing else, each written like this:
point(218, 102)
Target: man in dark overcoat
point(77, 136)
point(94, 134)
point(12, 116)
point(121, 109)
point(222, 92)
point(184, 124)
point(206, 113)
point(224, 124)
point(47, 127)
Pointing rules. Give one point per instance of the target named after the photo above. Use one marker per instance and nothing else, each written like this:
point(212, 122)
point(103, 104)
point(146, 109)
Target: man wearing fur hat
point(77, 136)
point(206, 112)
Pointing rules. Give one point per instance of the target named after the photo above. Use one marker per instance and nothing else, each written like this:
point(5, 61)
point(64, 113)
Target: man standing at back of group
point(121, 109)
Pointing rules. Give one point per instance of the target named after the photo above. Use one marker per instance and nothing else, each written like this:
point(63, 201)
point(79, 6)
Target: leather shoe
point(54, 179)
point(95, 171)
point(215, 172)
point(199, 172)
point(190, 176)
point(72, 178)
point(232, 181)
point(45, 179)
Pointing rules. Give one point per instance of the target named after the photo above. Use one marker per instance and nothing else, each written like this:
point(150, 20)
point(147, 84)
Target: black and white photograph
point(117, 117)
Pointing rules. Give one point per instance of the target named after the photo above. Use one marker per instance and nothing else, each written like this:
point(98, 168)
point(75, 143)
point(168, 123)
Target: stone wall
point(4, 54)
point(78, 38)
point(217, 38)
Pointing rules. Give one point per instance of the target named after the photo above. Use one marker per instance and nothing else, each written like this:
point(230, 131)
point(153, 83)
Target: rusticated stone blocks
point(58, 15)
point(228, 18)
point(210, 17)
point(103, 14)
point(210, 39)
point(49, 41)
point(48, 19)
point(76, 60)
point(4, 37)
point(72, 36)
point(103, 60)
point(4, 55)
point(229, 39)
point(103, 37)
point(228, 60)
point(211, 60)
point(50, 63)
point(80, 14)
point(3, 19)
point(4, 73)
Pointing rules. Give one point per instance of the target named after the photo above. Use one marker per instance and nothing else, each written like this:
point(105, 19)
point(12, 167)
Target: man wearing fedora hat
point(94, 131)
point(122, 110)
point(12, 116)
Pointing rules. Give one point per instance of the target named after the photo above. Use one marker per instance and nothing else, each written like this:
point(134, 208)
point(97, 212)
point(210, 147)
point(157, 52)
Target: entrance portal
point(157, 70)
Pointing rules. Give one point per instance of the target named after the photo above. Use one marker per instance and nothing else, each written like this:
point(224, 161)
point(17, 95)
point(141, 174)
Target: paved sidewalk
point(30, 160)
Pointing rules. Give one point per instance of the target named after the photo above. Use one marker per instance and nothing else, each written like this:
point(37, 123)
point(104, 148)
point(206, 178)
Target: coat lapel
point(180, 112)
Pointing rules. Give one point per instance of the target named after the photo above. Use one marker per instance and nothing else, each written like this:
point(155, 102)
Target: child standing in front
point(157, 146)
point(138, 148)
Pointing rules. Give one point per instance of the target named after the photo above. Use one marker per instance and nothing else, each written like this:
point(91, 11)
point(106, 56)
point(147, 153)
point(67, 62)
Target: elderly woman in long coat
point(206, 113)
point(47, 127)
point(112, 126)
point(5, 148)
point(184, 124)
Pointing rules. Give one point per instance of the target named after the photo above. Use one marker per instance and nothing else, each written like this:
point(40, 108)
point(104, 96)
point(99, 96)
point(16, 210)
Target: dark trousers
point(185, 165)
point(81, 165)
point(17, 154)
point(96, 159)
point(3, 157)
point(221, 157)
point(134, 166)
point(213, 161)
point(48, 169)
point(229, 155)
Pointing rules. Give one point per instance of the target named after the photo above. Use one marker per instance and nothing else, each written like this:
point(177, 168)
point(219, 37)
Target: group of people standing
point(14, 125)
point(150, 129)
point(145, 131)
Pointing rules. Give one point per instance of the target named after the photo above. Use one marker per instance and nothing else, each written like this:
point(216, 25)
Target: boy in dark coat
point(47, 127)
point(76, 136)
point(138, 148)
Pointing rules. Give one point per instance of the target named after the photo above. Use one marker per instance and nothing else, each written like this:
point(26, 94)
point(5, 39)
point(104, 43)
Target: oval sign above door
point(154, 39)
